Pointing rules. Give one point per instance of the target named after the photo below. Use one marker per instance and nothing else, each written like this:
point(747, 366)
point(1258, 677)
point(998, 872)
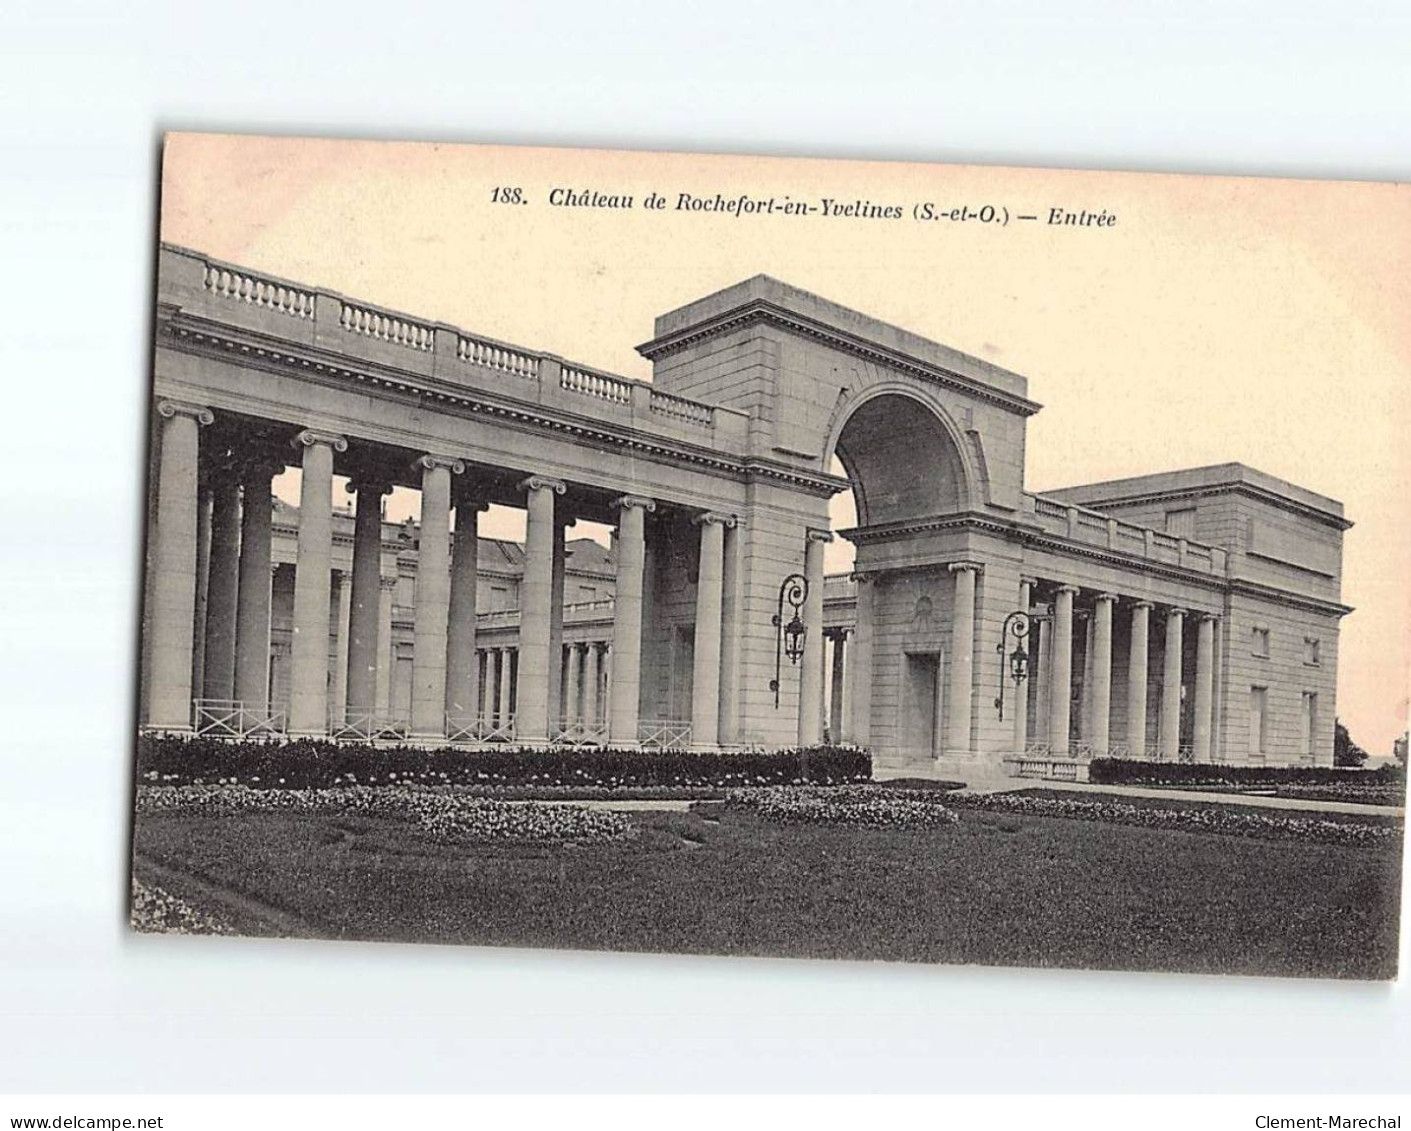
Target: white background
point(1278, 88)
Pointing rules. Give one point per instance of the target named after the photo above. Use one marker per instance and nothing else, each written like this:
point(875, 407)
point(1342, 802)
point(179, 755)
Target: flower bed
point(1181, 775)
point(306, 764)
point(155, 909)
point(1274, 825)
point(1359, 793)
point(846, 805)
point(444, 813)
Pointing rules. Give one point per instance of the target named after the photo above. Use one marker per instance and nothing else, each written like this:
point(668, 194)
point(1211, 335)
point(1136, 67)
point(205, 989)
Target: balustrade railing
point(368, 725)
point(692, 412)
point(231, 718)
point(576, 732)
point(492, 355)
point(664, 734)
point(241, 287)
point(479, 728)
point(387, 327)
point(592, 384)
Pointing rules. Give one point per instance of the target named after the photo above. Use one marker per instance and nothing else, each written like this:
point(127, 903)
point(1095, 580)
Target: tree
point(1345, 751)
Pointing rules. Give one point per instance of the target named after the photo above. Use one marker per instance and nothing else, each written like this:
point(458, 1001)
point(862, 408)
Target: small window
point(1258, 721)
point(1312, 654)
point(1181, 523)
point(1259, 641)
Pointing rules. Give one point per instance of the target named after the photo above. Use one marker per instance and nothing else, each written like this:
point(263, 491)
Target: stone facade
point(1190, 615)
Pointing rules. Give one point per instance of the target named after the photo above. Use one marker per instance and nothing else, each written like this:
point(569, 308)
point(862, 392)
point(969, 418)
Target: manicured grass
point(994, 889)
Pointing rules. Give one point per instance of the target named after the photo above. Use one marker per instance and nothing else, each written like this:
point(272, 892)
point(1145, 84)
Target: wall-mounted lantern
point(1017, 625)
point(789, 638)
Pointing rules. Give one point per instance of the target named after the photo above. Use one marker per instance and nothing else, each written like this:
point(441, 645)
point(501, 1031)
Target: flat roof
point(764, 289)
point(1198, 480)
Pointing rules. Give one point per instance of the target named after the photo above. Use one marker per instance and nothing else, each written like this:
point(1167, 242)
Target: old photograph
point(759, 556)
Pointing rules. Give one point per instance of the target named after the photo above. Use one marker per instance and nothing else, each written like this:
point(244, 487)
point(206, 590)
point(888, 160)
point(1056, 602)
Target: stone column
point(836, 688)
point(502, 694)
point(573, 689)
point(939, 734)
point(731, 599)
point(811, 664)
point(460, 631)
point(1085, 705)
point(254, 597)
point(222, 588)
point(557, 699)
point(1204, 687)
point(624, 689)
point(364, 623)
point(1171, 689)
point(1021, 689)
point(535, 611)
point(1136, 680)
point(308, 661)
point(962, 659)
point(1102, 674)
point(705, 677)
point(172, 598)
point(1061, 663)
point(203, 577)
point(862, 662)
point(590, 685)
point(433, 597)
point(344, 585)
point(386, 586)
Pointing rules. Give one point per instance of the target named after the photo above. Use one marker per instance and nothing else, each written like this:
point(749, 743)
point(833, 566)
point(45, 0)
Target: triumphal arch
point(1183, 615)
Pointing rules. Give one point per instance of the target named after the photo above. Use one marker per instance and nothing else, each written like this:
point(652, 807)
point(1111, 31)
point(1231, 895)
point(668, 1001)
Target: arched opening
point(902, 459)
point(904, 463)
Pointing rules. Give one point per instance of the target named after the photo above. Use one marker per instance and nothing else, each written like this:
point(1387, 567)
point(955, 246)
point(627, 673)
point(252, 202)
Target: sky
point(1220, 319)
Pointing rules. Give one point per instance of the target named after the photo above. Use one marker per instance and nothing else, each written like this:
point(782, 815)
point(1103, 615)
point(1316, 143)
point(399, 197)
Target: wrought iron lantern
point(789, 638)
point(1017, 625)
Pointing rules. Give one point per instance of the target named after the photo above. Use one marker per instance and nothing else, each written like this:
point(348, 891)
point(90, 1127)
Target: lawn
point(996, 889)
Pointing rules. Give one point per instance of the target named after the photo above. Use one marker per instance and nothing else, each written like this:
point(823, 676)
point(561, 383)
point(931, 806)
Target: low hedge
point(314, 764)
point(1127, 771)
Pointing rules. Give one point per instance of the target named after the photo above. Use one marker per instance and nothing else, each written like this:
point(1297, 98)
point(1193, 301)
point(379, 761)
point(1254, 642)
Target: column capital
point(1025, 579)
point(308, 437)
point(1070, 589)
point(373, 486)
point(430, 461)
point(713, 517)
point(816, 535)
point(1175, 611)
point(961, 566)
point(260, 468)
point(1106, 597)
point(387, 583)
point(537, 482)
point(1142, 604)
point(199, 413)
point(1209, 618)
point(646, 504)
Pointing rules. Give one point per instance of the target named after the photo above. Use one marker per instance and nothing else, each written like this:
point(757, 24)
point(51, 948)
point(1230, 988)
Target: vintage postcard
point(768, 556)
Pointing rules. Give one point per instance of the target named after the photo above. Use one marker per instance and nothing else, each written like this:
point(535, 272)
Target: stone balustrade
point(334, 322)
point(1095, 528)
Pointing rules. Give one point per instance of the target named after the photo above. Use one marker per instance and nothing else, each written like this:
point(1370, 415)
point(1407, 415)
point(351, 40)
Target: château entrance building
point(1187, 615)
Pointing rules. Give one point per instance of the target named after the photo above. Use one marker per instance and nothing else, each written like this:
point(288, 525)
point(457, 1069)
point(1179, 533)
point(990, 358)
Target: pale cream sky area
point(1222, 319)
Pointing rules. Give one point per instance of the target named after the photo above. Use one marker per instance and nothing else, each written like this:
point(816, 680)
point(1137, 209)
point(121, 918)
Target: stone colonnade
point(542, 689)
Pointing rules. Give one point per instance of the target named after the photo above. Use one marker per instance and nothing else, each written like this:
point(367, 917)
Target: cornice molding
point(1179, 494)
point(764, 311)
point(191, 334)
